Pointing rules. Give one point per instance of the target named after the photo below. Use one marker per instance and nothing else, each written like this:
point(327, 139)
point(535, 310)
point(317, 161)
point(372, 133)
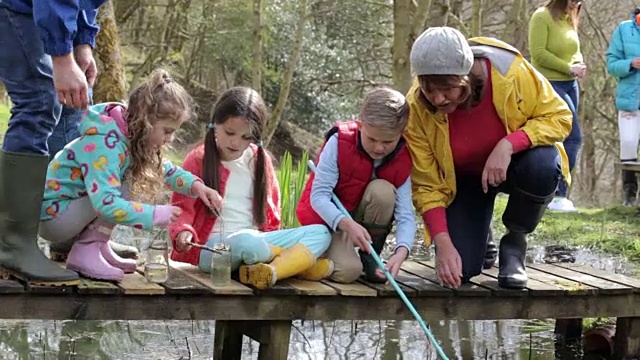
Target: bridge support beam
point(273, 337)
point(627, 339)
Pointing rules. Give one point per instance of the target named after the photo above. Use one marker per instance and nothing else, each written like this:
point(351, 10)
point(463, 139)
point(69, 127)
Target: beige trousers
point(375, 209)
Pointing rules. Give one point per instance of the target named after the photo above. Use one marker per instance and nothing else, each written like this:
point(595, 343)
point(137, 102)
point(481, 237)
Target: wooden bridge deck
point(555, 291)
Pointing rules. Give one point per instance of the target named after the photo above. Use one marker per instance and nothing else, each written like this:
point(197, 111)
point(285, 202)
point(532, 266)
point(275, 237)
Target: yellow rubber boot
point(289, 263)
point(275, 251)
point(321, 270)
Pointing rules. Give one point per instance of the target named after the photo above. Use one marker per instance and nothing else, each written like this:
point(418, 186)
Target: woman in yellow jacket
point(482, 121)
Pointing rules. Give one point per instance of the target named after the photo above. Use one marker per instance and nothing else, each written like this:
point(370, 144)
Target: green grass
point(614, 230)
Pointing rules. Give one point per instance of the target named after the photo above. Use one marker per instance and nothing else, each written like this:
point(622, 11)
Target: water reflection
point(389, 340)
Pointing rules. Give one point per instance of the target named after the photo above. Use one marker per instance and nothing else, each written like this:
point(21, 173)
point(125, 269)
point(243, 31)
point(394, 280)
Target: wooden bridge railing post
point(627, 339)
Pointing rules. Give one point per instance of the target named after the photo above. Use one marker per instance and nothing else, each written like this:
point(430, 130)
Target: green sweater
point(554, 45)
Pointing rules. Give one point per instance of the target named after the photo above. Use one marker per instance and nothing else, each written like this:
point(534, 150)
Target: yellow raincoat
point(524, 100)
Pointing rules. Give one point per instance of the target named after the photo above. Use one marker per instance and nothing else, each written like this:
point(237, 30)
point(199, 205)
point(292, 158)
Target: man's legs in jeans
point(374, 213)
point(65, 131)
point(26, 72)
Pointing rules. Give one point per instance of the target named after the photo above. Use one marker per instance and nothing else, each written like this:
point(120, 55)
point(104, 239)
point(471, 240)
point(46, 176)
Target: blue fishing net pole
point(393, 282)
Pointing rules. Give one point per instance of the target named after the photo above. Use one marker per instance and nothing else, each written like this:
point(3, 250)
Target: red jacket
point(195, 215)
point(355, 167)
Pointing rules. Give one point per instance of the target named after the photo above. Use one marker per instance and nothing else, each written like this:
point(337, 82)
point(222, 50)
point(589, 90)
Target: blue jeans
point(68, 127)
point(252, 246)
point(26, 72)
point(569, 92)
point(534, 172)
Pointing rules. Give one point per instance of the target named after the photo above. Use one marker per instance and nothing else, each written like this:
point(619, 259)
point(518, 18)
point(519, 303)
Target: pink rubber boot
point(126, 265)
point(86, 257)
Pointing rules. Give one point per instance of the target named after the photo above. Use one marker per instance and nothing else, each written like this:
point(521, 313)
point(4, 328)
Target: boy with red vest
point(366, 164)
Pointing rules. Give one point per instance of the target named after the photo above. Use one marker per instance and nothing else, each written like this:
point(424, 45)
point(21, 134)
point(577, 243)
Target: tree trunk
point(476, 18)
point(276, 116)
point(256, 75)
point(402, 35)
point(110, 84)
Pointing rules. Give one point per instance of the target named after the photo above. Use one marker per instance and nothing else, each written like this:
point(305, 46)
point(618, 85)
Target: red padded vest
point(355, 167)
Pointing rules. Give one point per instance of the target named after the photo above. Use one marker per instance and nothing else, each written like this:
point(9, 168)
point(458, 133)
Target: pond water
point(511, 339)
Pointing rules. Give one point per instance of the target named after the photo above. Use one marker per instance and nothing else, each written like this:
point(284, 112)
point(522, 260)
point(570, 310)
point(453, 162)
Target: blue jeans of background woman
point(570, 93)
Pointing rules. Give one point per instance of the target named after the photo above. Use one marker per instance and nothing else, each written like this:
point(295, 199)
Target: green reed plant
point(292, 179)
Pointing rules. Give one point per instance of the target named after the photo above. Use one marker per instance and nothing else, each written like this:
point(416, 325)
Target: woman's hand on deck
point(183, 241)
point(209, 197)
point(394, 263)
point(448, 262)
point(495, 169)
point(358, 234)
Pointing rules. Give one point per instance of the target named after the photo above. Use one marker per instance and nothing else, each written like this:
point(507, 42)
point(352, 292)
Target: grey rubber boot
point(521, 217)
point(22, 181)
point(491, 254)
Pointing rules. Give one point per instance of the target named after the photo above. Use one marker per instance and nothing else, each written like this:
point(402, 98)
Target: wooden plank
point(483, 282)
point(49, 289)
point(136, 284)
point(571, 288)
point(422, 286)
point(629, 165)
point(429, 274)
point(486, 282)
point(10, 287)
point(95, 287)
point(352, 289)
point(313, 288)
point(535, 286)
point(179, 283)
point(388, 289)
point(603, 286)
point(193, 272)
point(607, 275)
point(279, 289)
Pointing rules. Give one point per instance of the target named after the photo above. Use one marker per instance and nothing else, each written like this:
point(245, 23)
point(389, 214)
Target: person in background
point(47, 60)
point(623, 62)
point(554, 46)
point(471, 137)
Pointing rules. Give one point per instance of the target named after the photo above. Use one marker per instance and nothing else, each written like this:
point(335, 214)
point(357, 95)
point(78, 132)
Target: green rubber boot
point(22, 181)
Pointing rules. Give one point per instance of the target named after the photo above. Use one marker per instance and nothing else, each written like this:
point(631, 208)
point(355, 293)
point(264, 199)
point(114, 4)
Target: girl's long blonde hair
point(159, 98)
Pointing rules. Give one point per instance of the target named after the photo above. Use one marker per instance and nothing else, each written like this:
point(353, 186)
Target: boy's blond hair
point(385, 108)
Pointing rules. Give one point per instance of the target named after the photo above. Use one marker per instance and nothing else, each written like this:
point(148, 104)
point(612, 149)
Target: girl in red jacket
point(233, 162)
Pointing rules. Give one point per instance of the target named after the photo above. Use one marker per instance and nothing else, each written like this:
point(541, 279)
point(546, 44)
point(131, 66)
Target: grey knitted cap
point(441, 51)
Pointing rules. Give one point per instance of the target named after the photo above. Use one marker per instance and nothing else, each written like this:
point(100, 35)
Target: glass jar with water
point(221, 264)
point(156, 268)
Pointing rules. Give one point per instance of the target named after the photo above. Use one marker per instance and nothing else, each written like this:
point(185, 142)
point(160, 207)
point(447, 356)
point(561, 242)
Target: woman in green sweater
point(555, 52)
